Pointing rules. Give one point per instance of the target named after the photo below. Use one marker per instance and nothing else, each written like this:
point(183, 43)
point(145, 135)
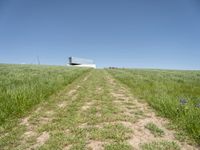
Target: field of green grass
point(173, 94)
point(54, 107)
point(24, 86)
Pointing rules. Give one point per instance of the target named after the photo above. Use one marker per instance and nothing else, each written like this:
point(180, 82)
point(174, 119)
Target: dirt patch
point(111, 81)
point(120, 96)
point(95, 145)
point(124, 123)
point(41, 139)
point(49, 113)
point(85, 78)
point(38, 110)
point(99, 90)
point(73, 91)
point(143, 135)
point(24, 121)
point(44, 120)
point(31, 128)
point(29, 134)
point(85, 126)
point(62, 104)
point(103, 124)
point(86, 106)
point(67, 147)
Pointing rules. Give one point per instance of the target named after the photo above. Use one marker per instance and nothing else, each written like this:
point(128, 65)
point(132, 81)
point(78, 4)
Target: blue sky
point(122, 33)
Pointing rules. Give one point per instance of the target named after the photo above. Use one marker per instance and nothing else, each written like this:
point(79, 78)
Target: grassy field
point(174, 94)
point(100, 109)
point(24, 86)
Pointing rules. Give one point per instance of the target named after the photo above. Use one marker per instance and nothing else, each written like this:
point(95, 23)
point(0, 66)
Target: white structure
point(81, 62)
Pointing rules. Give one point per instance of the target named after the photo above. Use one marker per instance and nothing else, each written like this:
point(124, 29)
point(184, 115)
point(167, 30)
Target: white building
point(81, 62)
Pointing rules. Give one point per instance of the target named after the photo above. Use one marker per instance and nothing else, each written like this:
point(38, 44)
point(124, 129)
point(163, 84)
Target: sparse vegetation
point(95, 111)
point(163, 145)
point(116, 133)
point(174, 94)
point(118, 146)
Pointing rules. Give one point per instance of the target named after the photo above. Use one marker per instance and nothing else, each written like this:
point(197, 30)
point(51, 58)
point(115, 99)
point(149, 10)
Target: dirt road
point(94, 112)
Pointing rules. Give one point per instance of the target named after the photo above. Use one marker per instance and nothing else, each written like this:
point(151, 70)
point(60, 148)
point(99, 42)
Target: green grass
point(163, 145)
point(154, 129)
point(163, 89)
point(70, 118)
point(118, 146)
point(24, 86)
point(113, 132)
point(72, 126)
point(91, 114)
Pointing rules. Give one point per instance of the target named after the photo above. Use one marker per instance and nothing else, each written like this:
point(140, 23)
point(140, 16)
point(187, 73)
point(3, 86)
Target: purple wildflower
point(198, 105)
point(183, 101)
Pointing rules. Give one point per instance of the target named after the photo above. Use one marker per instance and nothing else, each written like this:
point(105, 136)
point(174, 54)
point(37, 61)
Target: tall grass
point(23, 86)
point(174, 94)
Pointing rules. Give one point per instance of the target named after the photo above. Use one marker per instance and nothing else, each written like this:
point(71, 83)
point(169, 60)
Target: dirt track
point(94, 112)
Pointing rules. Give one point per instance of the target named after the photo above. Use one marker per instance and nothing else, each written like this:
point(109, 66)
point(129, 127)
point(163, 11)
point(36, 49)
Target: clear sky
point(121, 33)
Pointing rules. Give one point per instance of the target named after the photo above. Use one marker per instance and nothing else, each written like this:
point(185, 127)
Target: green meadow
point(56, 107)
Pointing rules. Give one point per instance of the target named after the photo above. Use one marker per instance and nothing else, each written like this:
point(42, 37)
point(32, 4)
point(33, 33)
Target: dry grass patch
point(87, 106)
point(41, 140)
point(62, 104)
point(95, 145)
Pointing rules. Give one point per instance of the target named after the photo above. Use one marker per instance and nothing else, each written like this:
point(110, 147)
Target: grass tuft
point(115, 132)
point(154, 129)
point(163, 145)
point(118, 146)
